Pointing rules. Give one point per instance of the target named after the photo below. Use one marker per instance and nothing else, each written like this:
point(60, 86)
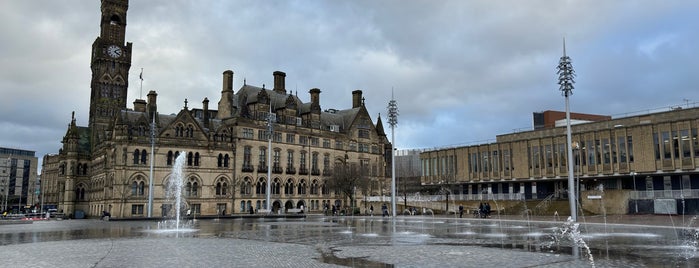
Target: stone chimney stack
point(315, 95)
point(279, 82)
point(206, 112)
point(356, 98)
point(139, 105)
point(225, 105)
point(152, 107)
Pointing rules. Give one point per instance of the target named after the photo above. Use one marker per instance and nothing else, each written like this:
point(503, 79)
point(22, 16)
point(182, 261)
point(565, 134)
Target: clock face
point(114, 51)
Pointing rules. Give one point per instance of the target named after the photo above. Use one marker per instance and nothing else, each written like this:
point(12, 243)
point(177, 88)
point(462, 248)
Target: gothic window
point(221, 187)
point(302, 187)
point(190, 159)
point(169, 158)
point(84, 169)
point(219, 161)
point(247, 156)
point(225, 160)
point(314, 187)
point(196, 159)
point(80, 192)
point(263, 157)
point(276, 186)
point(261, 187)
point(136, 155)
point(289, 187)
point(326, 162)
point(246, 186)
point(290, 159)
point(192, 188)
point(144, 156)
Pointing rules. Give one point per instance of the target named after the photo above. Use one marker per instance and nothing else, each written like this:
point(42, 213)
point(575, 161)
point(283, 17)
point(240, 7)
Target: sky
point(462, 72)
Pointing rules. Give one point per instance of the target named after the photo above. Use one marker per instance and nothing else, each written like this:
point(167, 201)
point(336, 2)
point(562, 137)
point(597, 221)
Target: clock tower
point(110, 64)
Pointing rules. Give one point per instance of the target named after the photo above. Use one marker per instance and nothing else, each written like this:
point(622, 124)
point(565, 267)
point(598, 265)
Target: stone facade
point(107, 165)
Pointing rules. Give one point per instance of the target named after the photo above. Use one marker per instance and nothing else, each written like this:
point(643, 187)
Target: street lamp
point(565, 81)
point(393, 121)
point(635, 200)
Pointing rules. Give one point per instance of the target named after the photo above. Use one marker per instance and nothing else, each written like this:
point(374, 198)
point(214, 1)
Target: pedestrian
point(384, 210)
point(481, 210)
point(461, 211)
point(334, 210)
point(371, 210)
point(487, 209)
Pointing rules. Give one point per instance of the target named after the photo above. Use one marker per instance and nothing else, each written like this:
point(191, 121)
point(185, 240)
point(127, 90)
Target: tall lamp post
point(393, 121)
point(270, 133)
point(635, 200)
point(565, 82)
point(152, 156)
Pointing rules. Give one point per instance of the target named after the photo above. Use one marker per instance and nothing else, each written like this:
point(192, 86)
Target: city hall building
point(106, 166)
point(638, 161)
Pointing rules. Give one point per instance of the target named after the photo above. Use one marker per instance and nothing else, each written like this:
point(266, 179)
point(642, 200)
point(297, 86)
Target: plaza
point(327, 241)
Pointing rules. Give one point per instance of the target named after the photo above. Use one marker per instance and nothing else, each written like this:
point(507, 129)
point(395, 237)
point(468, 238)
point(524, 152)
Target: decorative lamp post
point(393, 121)
point(566, 76)
point(152, 159)
point(635, 201)
point(270, 133)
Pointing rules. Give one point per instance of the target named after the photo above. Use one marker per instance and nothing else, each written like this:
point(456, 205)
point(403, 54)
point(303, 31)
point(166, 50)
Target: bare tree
point(347, 178)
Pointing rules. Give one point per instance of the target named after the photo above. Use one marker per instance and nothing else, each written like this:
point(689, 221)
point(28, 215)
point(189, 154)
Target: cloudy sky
point(462, 71)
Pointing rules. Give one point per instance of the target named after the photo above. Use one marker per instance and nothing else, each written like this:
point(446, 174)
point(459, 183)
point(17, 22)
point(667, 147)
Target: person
point(487, 209)
point(461, 211)
point(371, 210)
point(384, 210)
point(334, 209)
point(481, 210)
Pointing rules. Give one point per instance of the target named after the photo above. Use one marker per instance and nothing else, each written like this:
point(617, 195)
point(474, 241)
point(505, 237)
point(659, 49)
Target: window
point(169, 158)
point(221, 187)
point(137, 209)
point(246, 186)
point(248, 133)
point(302, 187)
point(247, 156)
point(290, 159)
point(144, 157)
point(314, 161)
point(289, 187)
point(303, 140)
point(290, 138)
point(314, 141)
point(363, 147)
point(314, 187)
point(190, 159)
point(276, 186)
point(696, 142)
point(137, 187)
point(338, 145)
point(263, 157)
point(80, 192)
point(136, 155)
point(261, 187)
point(192, 188)
point(363, 133)
point(303, 160)
point(195, 209)
point(196, 159)
point(326, 162)
point(326, 143)
point(277, 157)
point(686, 150)
point(667, 145)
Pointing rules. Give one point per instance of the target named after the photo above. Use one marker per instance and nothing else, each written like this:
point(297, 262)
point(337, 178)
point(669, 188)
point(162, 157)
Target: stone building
point(106, 166)
point(643, 159)
point(18, 179)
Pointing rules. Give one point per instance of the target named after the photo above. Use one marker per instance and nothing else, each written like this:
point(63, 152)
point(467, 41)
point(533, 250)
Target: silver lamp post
point(150, 177)
point(270, 132)
point(393, 121)
point(565, 81)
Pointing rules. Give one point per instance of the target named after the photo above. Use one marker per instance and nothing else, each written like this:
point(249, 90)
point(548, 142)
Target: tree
point(347, 178)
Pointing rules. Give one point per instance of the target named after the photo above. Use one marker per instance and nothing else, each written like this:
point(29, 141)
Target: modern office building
point(18, 176)
point(106, 166)
point(643, 160)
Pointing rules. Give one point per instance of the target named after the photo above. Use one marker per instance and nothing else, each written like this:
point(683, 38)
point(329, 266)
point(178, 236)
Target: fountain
point(174, 193)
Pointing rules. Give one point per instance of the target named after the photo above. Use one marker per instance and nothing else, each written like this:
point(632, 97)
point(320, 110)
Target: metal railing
point(673, 194)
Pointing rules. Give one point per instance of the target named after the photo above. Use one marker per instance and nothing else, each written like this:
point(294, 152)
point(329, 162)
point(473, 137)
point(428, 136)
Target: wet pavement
point(319, 241)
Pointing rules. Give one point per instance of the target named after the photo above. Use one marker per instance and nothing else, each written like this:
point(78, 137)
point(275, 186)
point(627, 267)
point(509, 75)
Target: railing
point(660, 194)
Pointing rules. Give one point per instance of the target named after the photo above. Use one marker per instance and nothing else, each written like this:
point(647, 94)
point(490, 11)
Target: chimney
point(225, 105)
point(139, 105)
point(356, 98)
point(279, 82)
point(206, 112)
point(315, 95)
point(152, 105)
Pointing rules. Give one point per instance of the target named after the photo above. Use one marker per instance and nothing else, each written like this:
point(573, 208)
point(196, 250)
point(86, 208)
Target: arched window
point(314, 187)
point(136, 154)
point(190, 159)
point(302, 187)
point(192, 188)
point(225, 160)
point(246, 186)
point(141, 187)
point(196, 159)
point(261, 187)
point(219, 162)
point(80, 192)
point(134, 188)
point(84, 169)
point(144, 157)
point(276, 186)
point(289, 187)
point(221, 187)
point(169, 158)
